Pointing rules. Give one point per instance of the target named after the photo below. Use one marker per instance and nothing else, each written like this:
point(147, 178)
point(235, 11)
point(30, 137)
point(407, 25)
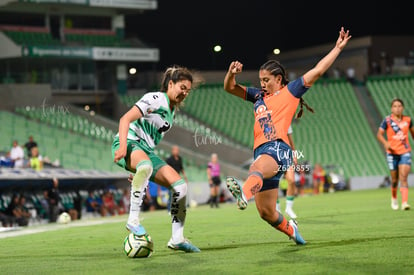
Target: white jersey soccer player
point(140, 130)
point(157, 119)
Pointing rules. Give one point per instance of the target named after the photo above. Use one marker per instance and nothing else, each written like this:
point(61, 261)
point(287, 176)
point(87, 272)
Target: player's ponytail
point(303, 103)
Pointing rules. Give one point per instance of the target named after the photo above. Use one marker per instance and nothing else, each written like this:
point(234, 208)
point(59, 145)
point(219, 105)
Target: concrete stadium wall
point(13, 95)
point(372, 182)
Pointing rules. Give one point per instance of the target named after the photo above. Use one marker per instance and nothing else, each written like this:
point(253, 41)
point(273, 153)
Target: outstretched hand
point(343, 38)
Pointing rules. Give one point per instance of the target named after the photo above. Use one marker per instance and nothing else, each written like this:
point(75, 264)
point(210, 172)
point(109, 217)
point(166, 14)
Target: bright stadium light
point(217, 48)
point(132, 71)
point(276, 51)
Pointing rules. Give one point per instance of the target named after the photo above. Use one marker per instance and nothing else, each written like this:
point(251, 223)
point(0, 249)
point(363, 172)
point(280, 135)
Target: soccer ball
point(64, 218)
point(138, 246)
point(193, 203)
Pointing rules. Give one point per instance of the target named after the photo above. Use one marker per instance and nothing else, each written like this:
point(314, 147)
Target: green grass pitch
point(347, 233)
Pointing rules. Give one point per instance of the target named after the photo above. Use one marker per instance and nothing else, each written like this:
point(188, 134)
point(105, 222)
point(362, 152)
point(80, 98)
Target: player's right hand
point(235, 67)
point(119, 154)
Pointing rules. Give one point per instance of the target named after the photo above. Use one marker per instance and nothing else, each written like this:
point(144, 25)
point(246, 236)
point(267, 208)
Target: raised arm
point(323, 65)
point(230, 84)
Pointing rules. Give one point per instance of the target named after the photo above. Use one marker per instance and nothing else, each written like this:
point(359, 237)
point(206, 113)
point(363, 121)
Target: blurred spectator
point(350, 74)
point(14, 201)
point(44, 202)
point(29, 145)
point(302, 182)
point(73, 213)
point(10, 207)
point(176, 162)
point(336, 73)
point(318, 178)
point(53, 200)
point(36, 160)
point(163, 198)
point(375, 68)
point(283, 185)
point(124, 202)
point(225, 196)
point(21, 213)
point(6, 161)
point(94, 204)
point(386, 182)
point(109, 204)
point(17, 155)
point(150, 199)
point(17, 212)
point(214, 180)
point(4, 219)
point(77, 203)
point(156, 197)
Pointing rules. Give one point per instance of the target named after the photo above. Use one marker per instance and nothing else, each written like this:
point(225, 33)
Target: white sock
point(178, 210)
point(138, 186)
point(289, 204)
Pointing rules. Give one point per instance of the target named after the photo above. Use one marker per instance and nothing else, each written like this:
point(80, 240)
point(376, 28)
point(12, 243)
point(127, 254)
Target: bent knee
point(144, 166)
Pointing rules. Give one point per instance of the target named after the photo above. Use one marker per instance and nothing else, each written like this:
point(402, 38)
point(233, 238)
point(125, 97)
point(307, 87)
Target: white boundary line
point(33, 229)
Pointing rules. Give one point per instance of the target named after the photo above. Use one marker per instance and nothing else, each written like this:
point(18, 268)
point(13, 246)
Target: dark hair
point(303, 103)
point(175, 73)
point(275, 68)
point(396, 99)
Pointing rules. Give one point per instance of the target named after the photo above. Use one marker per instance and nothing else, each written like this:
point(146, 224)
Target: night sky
point(186, 31)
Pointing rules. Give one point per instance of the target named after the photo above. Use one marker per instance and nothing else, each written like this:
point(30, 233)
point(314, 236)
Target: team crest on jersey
point(261, 109)
point(403, 124)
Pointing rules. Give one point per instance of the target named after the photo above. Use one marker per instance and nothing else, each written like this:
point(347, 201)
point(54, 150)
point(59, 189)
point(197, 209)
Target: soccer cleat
point(297, 238)
point(290, 213)
point(237, 191)
point(185, 246)
point(136, 229)
point(394, 204)
point(405, 206)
